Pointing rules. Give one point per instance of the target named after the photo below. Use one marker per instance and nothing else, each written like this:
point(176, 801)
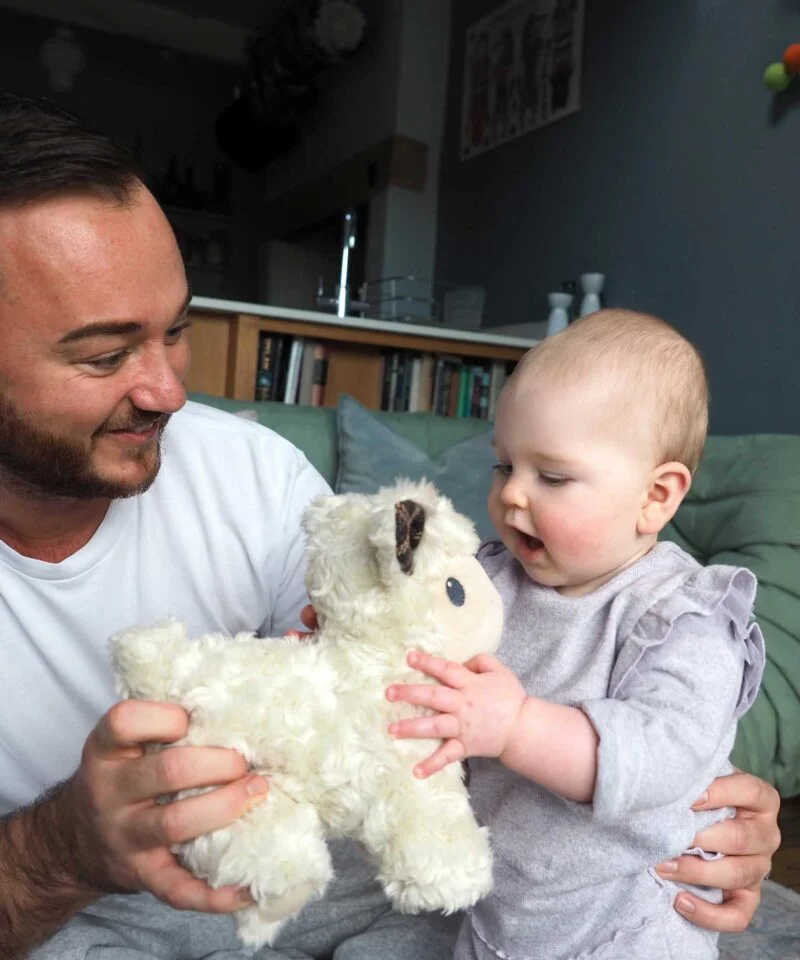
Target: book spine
point(320, 374)
point(293, 373)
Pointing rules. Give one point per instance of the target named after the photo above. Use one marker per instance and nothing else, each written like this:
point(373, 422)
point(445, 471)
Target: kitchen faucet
point(342, 302)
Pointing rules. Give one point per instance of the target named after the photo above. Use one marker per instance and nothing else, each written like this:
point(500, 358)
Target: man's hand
point(748, 841)
point(103, 830)
point(123, 835)
point(478, 706)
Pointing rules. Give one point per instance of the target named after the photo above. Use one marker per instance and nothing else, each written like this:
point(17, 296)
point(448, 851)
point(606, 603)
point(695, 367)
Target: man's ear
point(668, 485)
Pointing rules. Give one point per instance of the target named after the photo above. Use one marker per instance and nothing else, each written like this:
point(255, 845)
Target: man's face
point(93, 352)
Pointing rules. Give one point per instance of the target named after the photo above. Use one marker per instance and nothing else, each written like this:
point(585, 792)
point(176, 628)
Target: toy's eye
point(455, 592)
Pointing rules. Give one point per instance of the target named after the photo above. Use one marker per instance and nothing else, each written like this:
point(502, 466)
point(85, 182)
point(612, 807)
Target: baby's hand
point(477, 703)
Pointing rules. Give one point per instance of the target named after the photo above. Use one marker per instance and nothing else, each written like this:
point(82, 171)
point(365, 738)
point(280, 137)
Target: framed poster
point(522, 69)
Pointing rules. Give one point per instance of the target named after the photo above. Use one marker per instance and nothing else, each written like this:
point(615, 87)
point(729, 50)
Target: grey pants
point(353, 922)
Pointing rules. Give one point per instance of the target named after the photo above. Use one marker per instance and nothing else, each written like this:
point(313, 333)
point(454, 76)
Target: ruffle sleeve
point(688, 666)
point(709, 591)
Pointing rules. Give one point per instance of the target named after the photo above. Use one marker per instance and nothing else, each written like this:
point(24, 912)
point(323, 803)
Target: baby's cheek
point(586, 535)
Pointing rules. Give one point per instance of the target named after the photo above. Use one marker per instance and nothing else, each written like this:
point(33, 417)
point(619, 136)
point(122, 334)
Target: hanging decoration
point(279, 85)
point(779, 75)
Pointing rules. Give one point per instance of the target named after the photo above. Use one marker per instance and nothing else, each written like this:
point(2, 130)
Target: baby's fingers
point(441, 726)
point(446, 671)
point(430, 695)
point(450, 752)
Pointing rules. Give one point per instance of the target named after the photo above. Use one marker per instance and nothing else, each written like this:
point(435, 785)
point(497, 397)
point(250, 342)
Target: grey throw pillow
point(372, 455)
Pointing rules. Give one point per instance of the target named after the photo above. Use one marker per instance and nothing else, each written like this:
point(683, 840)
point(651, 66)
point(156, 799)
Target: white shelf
point(358, 323)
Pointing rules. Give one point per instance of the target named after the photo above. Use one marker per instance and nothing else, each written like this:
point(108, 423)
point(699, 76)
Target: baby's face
point(572, 477)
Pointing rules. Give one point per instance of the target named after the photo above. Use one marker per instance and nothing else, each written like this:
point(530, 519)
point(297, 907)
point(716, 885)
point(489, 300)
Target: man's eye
point(107, 364)
point(551, 481)
point(175, 333)
point(504, 469)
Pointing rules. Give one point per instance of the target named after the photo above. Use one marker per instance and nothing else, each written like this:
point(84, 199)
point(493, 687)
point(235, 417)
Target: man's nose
point(158, 384)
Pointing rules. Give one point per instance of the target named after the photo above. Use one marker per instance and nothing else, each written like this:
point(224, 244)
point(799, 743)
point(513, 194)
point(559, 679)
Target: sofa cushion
point(456, 455)
point(744, 509)
point(312, 429)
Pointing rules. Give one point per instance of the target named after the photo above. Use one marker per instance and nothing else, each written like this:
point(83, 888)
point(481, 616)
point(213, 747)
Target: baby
point(624, 664)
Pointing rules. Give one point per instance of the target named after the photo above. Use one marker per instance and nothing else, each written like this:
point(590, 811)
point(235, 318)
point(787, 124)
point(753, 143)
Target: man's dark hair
point(46, 151)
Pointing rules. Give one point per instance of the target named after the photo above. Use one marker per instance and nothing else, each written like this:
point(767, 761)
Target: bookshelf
point(225, 347)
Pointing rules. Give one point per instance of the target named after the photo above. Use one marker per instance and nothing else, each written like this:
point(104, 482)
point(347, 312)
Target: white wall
point(409, 241)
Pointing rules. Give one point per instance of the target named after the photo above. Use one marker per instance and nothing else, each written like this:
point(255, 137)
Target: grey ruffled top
point(663, 659)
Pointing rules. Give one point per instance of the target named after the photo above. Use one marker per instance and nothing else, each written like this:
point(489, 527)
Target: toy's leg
point(431, 853)
point(278, 851)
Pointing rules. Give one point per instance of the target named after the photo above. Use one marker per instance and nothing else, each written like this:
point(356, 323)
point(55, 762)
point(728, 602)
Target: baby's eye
point(550, 481)
point(504, 469)
point(455, 592)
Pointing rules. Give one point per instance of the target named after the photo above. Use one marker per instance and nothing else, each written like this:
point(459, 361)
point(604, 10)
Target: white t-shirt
point(216, 541)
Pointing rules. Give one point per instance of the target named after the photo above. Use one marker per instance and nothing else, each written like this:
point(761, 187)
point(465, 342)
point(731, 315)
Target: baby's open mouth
point(531, 543)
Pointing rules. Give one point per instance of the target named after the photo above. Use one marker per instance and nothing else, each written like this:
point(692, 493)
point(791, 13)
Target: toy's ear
point(409, 522)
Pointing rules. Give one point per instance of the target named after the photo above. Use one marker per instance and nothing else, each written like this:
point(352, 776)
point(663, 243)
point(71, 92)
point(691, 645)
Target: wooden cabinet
point(225, 348)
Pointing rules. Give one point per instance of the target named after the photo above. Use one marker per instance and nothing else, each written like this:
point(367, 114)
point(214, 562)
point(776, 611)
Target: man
point(102, 526)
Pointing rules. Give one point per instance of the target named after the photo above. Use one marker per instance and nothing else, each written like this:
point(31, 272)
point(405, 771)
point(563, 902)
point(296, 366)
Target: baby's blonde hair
point(653, 361)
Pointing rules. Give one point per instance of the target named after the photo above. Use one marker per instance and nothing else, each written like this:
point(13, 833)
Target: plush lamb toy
point(387, 574)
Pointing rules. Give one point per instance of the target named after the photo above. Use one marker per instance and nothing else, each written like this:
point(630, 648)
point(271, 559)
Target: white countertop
point(359, 323)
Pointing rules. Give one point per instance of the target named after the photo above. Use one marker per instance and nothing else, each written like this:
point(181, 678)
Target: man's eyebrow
point(110, 328)
point(104, 328)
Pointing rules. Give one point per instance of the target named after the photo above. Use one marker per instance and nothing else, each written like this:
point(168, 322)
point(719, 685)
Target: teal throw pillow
point(372, 455)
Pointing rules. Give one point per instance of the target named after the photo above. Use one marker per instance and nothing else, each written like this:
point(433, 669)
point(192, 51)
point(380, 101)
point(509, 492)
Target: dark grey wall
point(679, 178)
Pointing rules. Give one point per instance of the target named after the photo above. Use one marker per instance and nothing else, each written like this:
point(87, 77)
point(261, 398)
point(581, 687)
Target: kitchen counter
point(237, 307)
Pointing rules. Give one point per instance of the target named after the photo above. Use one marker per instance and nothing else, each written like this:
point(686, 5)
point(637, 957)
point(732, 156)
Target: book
point(426, 376)
point(280, 364)
point(264, 373)
point(307, 373)
point(414, 387)
point(320, 374)
point(293, 372)
point(497, 379)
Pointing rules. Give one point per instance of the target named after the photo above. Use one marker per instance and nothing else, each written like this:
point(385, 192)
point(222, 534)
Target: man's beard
point(37, 462)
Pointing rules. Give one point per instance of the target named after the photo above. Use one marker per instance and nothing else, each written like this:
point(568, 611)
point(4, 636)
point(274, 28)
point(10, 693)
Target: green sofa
point(743, 508)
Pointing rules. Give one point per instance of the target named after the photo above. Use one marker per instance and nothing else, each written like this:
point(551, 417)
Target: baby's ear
point(668, 485)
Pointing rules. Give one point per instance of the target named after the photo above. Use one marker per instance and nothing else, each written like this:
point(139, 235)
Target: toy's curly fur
point(313, 716)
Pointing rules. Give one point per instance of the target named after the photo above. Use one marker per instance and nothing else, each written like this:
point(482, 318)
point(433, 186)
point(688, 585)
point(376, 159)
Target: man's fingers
point(431, 695)
point(729, 873)
point(131, 723)
point(732, 916)
point(741, 790)
point(174, 885)
point(441, 726)
point(450, 752)
point(447, 672)
point(161, 825)
point(740, 836)
point(178, 768)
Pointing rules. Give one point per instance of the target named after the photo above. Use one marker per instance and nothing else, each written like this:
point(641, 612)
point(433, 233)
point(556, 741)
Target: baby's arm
point(668, 719)
point(483, 711)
